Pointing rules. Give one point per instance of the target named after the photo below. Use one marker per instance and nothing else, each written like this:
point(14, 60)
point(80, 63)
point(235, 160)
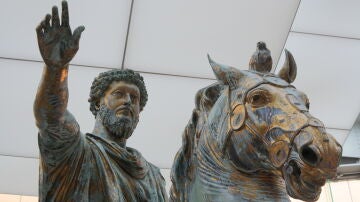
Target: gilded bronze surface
point(251, 138)
point(97, 166)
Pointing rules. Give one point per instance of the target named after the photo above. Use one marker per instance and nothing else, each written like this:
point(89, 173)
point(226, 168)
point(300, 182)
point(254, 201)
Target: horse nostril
point(309, 155)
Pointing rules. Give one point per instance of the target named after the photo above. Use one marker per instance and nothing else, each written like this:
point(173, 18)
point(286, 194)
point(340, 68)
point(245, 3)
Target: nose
point(127, 99)
point(309, 154)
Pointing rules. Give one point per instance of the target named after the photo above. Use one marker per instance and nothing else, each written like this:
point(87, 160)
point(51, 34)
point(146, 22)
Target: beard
point(121, 127)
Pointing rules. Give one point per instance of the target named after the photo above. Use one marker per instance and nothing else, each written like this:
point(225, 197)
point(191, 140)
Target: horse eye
point(258, 99)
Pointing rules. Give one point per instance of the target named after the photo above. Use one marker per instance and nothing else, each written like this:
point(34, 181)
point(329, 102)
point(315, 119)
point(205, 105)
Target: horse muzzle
point(313, 158)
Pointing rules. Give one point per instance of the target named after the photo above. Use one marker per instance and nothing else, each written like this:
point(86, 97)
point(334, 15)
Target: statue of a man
point(89, 167)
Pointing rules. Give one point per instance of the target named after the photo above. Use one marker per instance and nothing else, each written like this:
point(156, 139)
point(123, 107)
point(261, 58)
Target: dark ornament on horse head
point(251, 138)
point(261, 60)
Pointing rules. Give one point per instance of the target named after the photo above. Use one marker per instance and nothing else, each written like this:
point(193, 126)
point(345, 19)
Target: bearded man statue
point(95, 166)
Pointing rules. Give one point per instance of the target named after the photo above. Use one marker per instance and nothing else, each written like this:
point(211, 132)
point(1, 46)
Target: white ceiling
point(329, 75)
point(172, 38)
point(102, 42)
point(334, 18)
point(161, 122)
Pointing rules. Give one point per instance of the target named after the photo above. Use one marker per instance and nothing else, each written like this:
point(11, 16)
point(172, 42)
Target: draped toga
point(83, 168)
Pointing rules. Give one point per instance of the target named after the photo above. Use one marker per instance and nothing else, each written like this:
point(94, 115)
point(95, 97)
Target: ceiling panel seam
point(176, 75)
point(127, 34)
point(325, 35)
point(348, 185)
point(337, 128)
point(39, 61)
point(18, 156)
point(296, 12)
point(108, 68)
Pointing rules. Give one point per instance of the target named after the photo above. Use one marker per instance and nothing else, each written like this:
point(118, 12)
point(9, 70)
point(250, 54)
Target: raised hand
point(56, 42)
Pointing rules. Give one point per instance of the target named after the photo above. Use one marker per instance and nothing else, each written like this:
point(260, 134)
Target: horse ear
point(289, 69)
point(226, 74)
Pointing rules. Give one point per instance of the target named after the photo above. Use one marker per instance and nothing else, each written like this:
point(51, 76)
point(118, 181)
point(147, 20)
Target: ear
point(289, 69)
point(225, 74)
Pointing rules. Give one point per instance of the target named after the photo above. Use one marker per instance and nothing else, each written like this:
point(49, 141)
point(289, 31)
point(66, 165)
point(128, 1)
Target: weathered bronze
point(261, 60)
point(251, 138)
point(89, 167)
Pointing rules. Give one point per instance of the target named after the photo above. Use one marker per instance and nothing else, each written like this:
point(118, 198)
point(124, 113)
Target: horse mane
point(182, 171)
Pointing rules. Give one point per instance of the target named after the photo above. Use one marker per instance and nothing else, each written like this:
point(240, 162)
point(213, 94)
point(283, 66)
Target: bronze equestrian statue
point(95, 166)
point(251, 138)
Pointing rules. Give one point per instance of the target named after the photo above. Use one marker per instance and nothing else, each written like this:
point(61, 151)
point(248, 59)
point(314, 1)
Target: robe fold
point(84, 168)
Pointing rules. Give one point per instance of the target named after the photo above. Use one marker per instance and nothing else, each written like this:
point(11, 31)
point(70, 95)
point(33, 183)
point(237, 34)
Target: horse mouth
point(296, 186)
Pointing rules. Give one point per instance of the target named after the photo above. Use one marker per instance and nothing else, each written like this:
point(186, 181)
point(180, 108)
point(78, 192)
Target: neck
point(101, 131)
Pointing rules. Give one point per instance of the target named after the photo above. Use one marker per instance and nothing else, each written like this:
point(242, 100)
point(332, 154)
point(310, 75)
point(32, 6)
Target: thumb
point(77, 34)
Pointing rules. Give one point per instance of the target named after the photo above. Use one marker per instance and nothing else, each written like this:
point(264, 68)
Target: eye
point(259, 98)
point(117, 93)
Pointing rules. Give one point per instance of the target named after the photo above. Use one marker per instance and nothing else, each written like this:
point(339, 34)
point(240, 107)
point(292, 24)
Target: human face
point(123, 98)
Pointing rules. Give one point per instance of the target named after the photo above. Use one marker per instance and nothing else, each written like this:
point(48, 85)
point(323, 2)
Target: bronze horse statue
point(251, 138)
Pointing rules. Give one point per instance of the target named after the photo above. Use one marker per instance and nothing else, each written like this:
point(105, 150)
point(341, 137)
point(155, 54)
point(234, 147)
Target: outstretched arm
point(58, 45)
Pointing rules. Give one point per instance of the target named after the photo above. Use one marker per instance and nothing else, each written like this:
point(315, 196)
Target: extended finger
point(47, 23)
point(55, 17)
point(65, 15)
point(77, 35)
point(39, 31)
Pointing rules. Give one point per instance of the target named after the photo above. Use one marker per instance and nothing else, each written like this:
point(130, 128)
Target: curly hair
point(102, 82)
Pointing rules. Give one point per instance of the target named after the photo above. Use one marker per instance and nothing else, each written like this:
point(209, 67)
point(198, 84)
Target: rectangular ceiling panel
point(18, 131)
point(19, 175)
point(102, 42)
point(171, 101)
point(329, 74)
point(174, 36)
point(339, 135)
point(337, 17)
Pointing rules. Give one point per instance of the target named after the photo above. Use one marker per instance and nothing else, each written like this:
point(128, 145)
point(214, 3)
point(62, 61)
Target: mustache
point(124, 107)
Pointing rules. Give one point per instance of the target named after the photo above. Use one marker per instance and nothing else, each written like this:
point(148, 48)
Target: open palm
point(56, 42)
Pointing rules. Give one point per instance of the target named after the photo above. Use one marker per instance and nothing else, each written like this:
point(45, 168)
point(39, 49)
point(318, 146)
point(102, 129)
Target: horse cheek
point(237, 117)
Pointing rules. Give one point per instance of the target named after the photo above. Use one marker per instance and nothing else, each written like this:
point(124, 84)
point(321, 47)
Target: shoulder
point(54, 150)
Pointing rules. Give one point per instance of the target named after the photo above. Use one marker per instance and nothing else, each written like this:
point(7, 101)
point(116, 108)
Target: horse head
point(262, 123)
